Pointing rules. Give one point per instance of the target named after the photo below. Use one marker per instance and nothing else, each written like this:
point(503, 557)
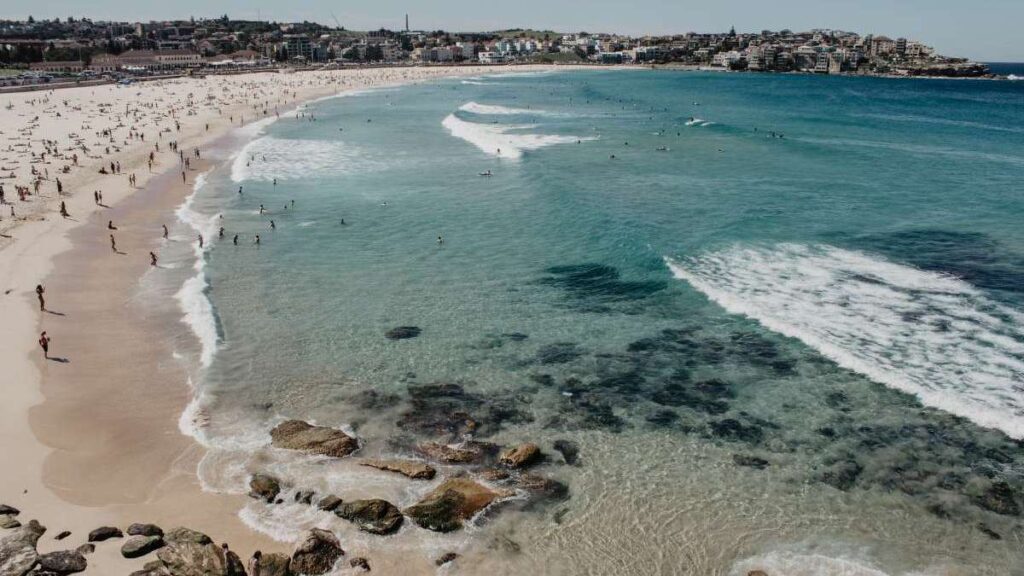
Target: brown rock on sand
point(410, 468)
point(299, 435)
point(317, 553)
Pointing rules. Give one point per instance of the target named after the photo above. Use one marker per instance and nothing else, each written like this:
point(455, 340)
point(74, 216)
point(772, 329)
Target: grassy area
point(4, 72)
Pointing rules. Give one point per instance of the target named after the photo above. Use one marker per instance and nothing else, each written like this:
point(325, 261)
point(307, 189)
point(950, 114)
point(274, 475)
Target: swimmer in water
point(165, 230)
point(257, 239)
point(235, 240)
point(261, 209)
point(272, 226)
point(440, 240)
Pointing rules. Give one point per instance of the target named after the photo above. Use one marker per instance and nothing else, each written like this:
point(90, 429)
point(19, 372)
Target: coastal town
point(50, 51)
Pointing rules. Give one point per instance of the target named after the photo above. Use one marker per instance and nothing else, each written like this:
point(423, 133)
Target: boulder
point(9, 510)
point(154, 568)
point(63, 562)
point(105, 533)
point(299, 435)
point(446, 558)
point(8, 522)
point(451, 503)
point(375, 516)
point(190, 553)
point(62, 535)
point(402, 333)
point(495, 475)
point(317, 553)
point(329, 503)
point(145, 530)
point(138, 546)
point(361, 563)
point(275, 565)
point(411, 468)
point(18, 549)
point(264, 487)
point(520, 456)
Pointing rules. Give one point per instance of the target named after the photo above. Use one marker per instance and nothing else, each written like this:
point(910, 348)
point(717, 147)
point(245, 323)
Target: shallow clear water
point(676, 271)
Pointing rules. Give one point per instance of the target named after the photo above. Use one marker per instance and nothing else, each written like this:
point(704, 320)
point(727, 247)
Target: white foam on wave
point(491, 138)
point(804, 564)
point(268, 158)
point(698, 122)
point(494, 110)
point(1014, 77)
point(196, 307)
point(927, 334)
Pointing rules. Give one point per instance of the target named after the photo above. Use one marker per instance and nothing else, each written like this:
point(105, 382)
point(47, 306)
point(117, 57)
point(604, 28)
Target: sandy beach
point(90, 436)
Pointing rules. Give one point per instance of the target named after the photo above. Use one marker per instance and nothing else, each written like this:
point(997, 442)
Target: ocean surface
point(780, 316)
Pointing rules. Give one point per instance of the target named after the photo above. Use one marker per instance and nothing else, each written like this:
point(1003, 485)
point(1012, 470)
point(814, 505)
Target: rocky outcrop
point(138, 546)
point(450, 504)
point(105, 533)
point(520, 456)
point(18, 549)
point(145, 530)
point(275, 565)
point(316, 554)
point(410, 468)
point(299, 435)
point(154, 568)
point(191, 553)
point(8, 510)
point(264, 487)
point(63, 562)
point(329, 503)
point(402, 333)
point(374, 516)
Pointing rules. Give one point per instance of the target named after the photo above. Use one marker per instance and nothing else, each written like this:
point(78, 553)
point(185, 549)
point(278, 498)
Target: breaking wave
point(924, 333)
point(503, 140)
point(268, 158)
point(192, 298)
point(491, 110)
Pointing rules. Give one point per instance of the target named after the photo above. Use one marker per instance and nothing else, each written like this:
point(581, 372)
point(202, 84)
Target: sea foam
point(197, 309)
point(493, 110)
point(927, 334)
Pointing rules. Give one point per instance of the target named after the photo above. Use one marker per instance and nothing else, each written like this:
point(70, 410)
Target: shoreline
point(61, 420)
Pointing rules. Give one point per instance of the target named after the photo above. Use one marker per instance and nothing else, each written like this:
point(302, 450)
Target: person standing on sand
point(110, 225)
point(44, 343)
point(152, 259)
point(165, 231)
point(64, 210)
point(113, 243)
point(39, 294)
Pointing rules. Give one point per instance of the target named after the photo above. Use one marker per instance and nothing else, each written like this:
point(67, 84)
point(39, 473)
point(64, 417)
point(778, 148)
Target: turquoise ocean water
point(782, 317)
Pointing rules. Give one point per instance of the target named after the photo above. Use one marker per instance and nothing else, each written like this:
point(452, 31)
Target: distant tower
point(407, 23)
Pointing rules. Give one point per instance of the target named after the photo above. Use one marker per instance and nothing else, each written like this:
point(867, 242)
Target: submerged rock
point(139, 545)
point(749, 461)
point(520, 456)
point(317, 553)
point(375, 516)
point(465, 453)
point(299, 435)
point(446, 558)
point(18, 549)
point(450, 504)
point(410, 468)
point(999, 498)
point(105, 533)
point(63, 562)
point(569, 450)
point(304, 496)
point(402, 333)
point(264, 487)
point(360, 562)
point(543, 487)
